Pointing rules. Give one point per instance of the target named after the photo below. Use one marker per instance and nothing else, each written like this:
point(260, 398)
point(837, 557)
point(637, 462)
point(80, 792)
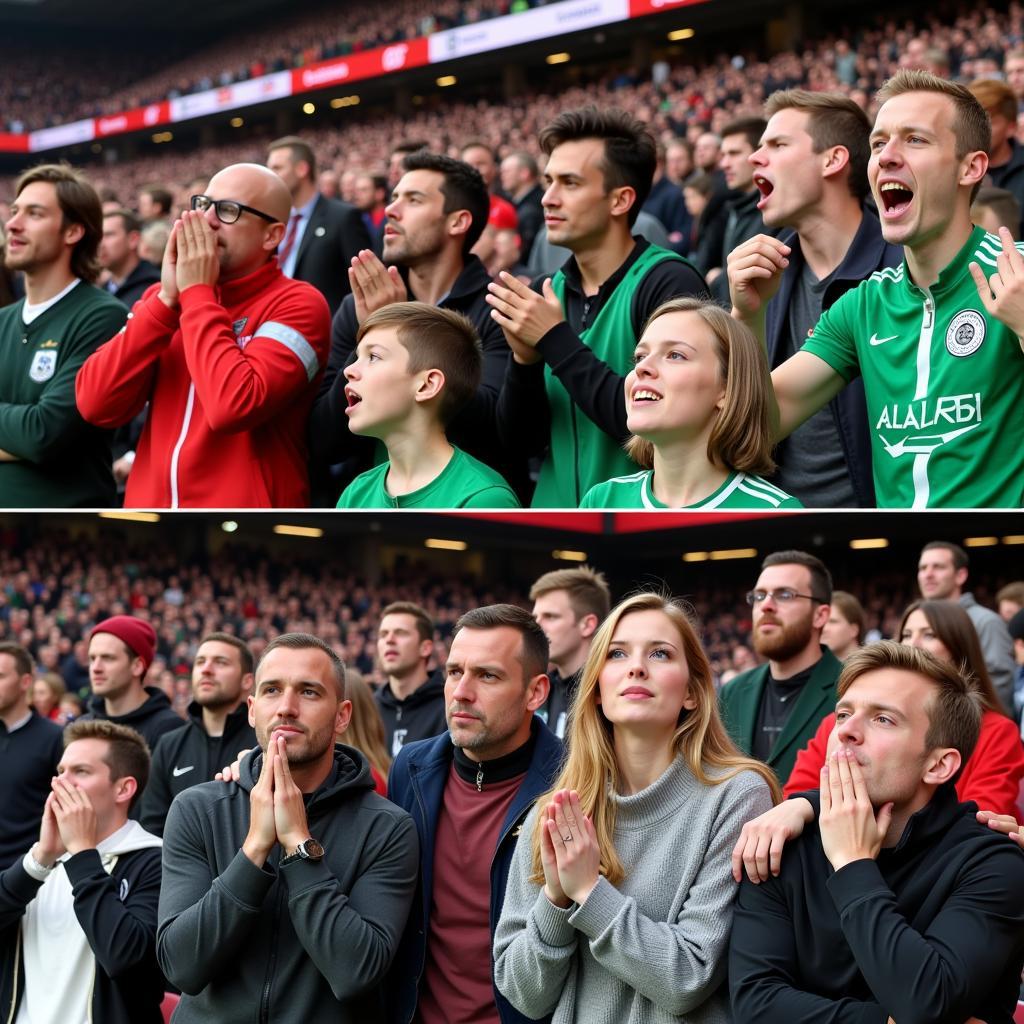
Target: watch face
point(311, 850)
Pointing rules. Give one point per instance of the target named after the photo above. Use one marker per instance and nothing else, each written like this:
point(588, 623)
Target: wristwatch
point(308, 849)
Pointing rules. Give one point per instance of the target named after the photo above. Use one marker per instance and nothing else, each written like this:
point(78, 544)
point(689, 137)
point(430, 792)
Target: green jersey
point(464, 483)
point(943, 381)
point(740, 491)
point(60, 461)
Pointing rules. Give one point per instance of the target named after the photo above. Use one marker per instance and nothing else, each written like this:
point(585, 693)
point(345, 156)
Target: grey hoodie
point(304, 942)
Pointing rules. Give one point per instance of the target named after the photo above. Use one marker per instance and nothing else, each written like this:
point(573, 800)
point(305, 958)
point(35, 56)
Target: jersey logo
point(239, 325)
point(965, 334)
point(181, 771)
point(49, 343)
point(44, 365)
point(876, 340)
point(123, 892)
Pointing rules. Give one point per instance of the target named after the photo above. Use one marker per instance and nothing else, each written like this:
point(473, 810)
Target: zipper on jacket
point(480, 780)
point(272, 961)
point(185, 423)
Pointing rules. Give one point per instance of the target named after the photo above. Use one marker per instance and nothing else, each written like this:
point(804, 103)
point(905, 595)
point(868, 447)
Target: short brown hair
point(832, 120)
point(954, 716)
point(439, 339)
point(128, 219)
point(851, 609)
point(741, 438)
point(299, 149)
point(79, 204)
point(127, 752)
point(586, 589)
point(1012, 591)
point(424, 623)
point(244, 653)
point(971, 125)
point(160, 196)
point(1003, 203)
point(960, 559)
point(630, 153)
point(821, 578)
point(995, 96)
point(22, 659)
point(534, 653)
point(751, 128)
point(305, 642)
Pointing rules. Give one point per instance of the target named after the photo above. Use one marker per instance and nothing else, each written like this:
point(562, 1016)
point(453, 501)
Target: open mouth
point(896, 198)
point(353, 399)
point(765, 187)
point(643, 395)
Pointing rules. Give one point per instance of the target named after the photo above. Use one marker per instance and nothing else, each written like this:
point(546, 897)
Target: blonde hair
point(365, 729)
point(741, 438)
point(590, 766)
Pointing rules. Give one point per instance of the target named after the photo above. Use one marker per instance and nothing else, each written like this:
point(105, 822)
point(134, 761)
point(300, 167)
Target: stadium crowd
point(515, 782)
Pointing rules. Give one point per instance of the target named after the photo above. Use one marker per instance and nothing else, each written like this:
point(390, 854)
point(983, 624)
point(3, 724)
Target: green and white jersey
point(464, 483)
point(944, 383)
point(740, 491)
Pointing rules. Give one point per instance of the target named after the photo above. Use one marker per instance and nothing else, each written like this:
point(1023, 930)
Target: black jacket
point(418, 717)
point(868, 252)
point(150, 720)
point(117, 912)
point(303, 941)
point(523, 421)
point(130, 290)
point(930, 933)
point(555, 712)
point(187, 756)
point(334, 234)
point(1011, 176)
point(531, 219)
point(472, 430)
point(28, 761)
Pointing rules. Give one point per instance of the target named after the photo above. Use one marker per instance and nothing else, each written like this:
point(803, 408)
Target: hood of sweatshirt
point(156, 700)
point(425, 694)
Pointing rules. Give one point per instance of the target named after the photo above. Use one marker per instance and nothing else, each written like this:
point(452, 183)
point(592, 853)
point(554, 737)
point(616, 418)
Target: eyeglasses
point(781, 596)
point(228, 210)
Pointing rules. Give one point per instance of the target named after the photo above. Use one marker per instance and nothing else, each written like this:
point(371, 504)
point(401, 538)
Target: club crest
point(43, 366)
point(965, 334)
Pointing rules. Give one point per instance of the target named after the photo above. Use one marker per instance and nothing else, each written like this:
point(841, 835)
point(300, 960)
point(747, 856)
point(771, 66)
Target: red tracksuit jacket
point(230, 380)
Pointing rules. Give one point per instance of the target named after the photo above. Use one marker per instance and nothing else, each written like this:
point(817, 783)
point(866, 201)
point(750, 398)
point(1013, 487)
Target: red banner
point(357, 66)
point(134, 120)
point(638, 8)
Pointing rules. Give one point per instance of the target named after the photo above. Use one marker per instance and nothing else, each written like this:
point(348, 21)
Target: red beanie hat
point(137, 634)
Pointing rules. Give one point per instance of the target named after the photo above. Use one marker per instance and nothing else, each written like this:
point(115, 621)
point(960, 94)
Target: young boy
point(416, 367)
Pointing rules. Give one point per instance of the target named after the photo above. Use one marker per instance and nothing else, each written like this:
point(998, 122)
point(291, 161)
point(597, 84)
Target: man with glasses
point(227, 351)
point(773, 710)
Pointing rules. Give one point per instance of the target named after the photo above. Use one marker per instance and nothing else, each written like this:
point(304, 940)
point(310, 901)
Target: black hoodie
point(418, 717)
point(189, 755)
point(932, 932)
point(150, 720)
point(303, 941)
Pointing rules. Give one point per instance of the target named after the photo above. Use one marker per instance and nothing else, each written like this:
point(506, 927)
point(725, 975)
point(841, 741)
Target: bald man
point(227, 351)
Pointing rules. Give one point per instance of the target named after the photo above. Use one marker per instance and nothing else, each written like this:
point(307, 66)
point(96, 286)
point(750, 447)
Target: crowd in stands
point(71, 91)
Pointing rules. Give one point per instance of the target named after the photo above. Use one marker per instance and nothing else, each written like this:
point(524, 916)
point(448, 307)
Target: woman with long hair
point(991, 775)
point(619, 899)
point(697, 404)
point(47, 691)
point(365, 729)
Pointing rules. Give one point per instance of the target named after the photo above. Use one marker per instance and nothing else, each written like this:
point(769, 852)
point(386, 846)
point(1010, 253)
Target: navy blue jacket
point(868, 252)
point(416, 783)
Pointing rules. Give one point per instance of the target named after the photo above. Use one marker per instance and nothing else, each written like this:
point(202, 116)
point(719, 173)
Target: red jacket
point(991, 777)
point(230, 380)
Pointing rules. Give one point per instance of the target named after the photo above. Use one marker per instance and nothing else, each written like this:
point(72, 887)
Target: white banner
point(62, 135)
point(230, 97)
point(540, 23)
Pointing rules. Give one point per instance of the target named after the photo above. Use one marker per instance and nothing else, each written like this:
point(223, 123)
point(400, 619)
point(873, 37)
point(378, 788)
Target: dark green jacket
point(740, 699)
point(60, 460)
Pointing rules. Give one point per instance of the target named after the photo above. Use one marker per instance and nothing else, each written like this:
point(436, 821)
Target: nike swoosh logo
point(876, 340)
point(181, 771)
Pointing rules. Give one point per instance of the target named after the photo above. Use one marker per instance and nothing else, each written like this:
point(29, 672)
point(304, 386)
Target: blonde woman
point(365, 729)
point(697, 402)
point(619, 898)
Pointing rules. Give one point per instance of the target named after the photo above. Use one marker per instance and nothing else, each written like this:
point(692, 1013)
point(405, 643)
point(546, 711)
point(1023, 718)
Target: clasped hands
point(190, 257)
point(68, 824)
point(850, 829)
point(524, 315)
point(568, 850)
point(277, 813)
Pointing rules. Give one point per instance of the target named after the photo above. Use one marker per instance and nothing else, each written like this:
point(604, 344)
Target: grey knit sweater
point(654, 949)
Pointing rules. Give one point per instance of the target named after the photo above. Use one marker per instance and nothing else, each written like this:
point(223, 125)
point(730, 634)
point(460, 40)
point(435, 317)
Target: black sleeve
point(330, 440)
point(157, 796)
point(522, 414)
point(121, 931)
point(477, 419)
point(764, 967)
point(951, 969)
point(17, 890)
point(352, 237)
point(592, 384)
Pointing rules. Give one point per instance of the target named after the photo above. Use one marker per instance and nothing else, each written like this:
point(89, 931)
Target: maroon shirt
point(457, 984)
